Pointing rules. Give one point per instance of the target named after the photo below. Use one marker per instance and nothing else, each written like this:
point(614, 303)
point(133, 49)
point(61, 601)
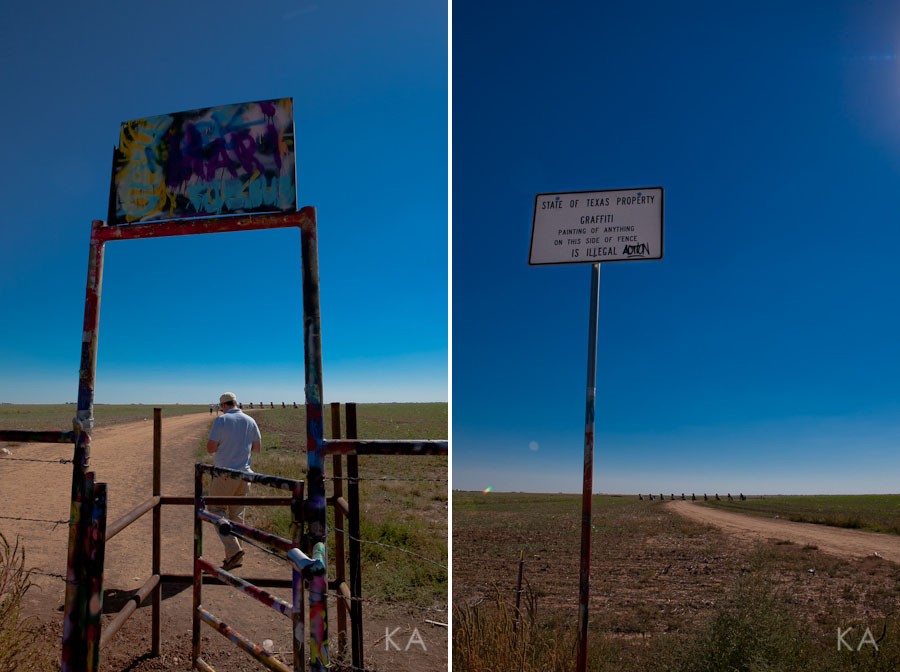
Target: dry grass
point(492, 635)
point(19, 637)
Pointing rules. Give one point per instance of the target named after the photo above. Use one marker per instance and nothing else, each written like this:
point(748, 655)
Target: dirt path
point(121, 456)
point(834, 540)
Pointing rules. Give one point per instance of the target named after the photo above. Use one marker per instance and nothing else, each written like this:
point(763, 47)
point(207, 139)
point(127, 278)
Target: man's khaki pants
point(229, 487)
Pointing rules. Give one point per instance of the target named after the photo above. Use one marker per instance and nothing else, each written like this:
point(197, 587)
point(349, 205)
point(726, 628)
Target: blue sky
point(186, 318)
point(761, 353)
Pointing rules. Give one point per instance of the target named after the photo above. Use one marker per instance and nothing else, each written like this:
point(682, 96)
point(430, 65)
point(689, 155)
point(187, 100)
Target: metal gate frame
point(78, 652)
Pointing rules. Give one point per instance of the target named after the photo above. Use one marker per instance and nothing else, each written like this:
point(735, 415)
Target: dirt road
point(834, 540)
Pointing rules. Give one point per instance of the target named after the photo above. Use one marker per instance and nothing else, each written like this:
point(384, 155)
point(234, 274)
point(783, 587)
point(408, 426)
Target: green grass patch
point(876, 513)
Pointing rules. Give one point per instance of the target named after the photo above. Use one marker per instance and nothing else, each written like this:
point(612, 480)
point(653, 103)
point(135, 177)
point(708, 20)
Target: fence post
point(315, 438)
point(355, 559)
point(198, 578)
point(94, 561)
point(340, 575)
point(297, 593)
point(73, 645)
point(519, 593)
point(157, 531)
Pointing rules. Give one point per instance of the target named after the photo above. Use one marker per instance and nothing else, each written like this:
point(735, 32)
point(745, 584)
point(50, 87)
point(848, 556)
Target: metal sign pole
point(587, 491)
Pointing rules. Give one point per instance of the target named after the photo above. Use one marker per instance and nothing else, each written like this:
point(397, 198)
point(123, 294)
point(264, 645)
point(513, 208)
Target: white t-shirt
point(235, 432)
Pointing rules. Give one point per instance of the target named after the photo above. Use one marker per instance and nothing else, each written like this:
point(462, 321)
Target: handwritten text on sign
point(597, 226)
point(209, 162)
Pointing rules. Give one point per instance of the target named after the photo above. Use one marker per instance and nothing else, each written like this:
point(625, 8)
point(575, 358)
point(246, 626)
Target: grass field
point(666, 593)
point(59, 416)
point(877, 513)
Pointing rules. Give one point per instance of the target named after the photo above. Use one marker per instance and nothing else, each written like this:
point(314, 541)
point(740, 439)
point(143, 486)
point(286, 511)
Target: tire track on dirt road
point(834, 540)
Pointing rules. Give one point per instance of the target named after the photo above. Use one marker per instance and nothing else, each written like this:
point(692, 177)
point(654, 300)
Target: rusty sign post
point(594, 227)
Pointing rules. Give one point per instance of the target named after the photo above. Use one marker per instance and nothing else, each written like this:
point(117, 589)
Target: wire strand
point(55, 523)
point(396, 548)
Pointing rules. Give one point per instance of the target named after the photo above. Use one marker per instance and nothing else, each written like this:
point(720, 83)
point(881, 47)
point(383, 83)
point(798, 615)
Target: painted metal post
point(297, 595)
point(587, 491)
point(198, 576)
point(74, 653)
point(156, 550)
point(340, 574)
point(315, 437)
point(95, 559)
point(356, 632)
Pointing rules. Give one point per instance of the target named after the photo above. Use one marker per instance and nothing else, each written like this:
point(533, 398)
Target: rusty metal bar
point(36, 436)
point(254, 650)
point(203, 666)
point(197, 572)
point(227, 526)
point(131, 516)
point(156, 550)
point(167, 500)
point(341, 509)
point(246, 587)
point(188, 579)
point(129, 608)
point(297, 595)
point(356, 629)
point(379, 447)
point(250, 477)
point(94, 574)
point(212, 225)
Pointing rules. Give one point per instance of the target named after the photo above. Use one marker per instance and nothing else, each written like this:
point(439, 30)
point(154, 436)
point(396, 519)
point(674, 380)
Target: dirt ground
point(655, 572)
point(394, 637)
point(836, 541)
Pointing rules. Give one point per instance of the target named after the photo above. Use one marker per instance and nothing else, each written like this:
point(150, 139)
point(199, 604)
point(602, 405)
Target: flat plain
point(668, 592)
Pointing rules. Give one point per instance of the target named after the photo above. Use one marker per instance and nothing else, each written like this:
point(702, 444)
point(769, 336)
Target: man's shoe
point(234, 561)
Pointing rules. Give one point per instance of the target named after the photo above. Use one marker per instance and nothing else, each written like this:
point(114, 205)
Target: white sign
point(589, 227)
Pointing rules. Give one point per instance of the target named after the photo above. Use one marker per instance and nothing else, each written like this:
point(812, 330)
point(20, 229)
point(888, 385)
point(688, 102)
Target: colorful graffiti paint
point(210, 162)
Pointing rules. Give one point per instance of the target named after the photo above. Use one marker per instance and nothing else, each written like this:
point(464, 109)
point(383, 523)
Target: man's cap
point(228, 397)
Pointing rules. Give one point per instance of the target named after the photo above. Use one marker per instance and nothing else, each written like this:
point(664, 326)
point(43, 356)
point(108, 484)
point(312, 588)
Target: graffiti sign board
point(211, 162)
point(589, 227)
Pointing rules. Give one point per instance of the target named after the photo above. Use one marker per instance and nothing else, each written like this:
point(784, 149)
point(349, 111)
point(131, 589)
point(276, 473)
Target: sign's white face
point(590, 227)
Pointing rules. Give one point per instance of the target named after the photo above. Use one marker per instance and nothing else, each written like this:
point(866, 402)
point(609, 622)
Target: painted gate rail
point(294, 611)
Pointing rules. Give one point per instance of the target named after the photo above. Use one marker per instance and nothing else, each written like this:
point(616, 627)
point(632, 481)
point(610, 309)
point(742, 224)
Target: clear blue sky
point(184, 319)
point(762, 354)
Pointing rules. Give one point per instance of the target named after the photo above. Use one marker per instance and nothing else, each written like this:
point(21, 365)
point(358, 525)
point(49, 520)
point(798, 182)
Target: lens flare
point(488, 489)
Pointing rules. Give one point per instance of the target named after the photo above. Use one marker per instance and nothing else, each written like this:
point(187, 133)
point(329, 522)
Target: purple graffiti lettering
point(268, 109)
point(245, 148)
point(218, 159)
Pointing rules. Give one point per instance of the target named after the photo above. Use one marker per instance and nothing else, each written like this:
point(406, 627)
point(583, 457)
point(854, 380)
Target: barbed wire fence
point(32, 539)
